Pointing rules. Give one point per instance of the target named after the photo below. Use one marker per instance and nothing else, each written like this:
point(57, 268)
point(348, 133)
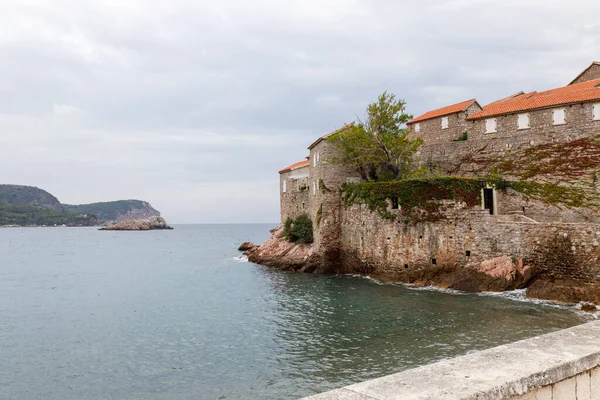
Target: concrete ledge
point(503, 372)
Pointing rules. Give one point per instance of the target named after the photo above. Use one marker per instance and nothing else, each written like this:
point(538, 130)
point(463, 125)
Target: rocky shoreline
point(493, 275)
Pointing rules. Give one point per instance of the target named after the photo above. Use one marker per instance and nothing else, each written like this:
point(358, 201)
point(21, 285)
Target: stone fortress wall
point(563, 244)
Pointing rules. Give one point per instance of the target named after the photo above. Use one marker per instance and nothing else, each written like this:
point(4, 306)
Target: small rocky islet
point(145, 224)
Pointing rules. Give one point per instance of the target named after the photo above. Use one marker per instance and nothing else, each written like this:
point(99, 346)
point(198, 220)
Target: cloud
point(194, 105)
point(64, 109)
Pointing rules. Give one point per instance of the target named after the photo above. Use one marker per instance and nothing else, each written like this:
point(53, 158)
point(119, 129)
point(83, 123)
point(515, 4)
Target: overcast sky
point(195, 105)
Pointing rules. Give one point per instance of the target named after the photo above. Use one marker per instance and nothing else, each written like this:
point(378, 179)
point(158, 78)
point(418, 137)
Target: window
point(417, 128)
point(444, 122)
point(523, 121)
point(491, 125)
point(284, 186)
point(314, 157)
point(315, 188)
point(596, 112)
point(318, 157)
point(558, 116)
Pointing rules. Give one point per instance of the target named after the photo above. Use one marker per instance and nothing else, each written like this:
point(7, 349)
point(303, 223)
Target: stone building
point(561, 242)
point(572, 110)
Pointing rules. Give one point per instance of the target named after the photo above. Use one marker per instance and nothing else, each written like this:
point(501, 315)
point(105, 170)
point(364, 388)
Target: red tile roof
point(316, 142)
point(576, 93)
point(440, 112)
point(299, 164)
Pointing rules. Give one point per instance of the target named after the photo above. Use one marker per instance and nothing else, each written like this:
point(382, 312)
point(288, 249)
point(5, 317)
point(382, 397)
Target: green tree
point(379, 147)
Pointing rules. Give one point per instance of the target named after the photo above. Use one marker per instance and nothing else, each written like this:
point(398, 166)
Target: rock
point(569, 292)
point(246, 246)
point(152, 223)
point(279, 253)
point(587, 307)
point(500, 267)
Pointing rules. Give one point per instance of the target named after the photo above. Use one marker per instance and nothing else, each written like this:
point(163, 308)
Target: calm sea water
point(86, 314)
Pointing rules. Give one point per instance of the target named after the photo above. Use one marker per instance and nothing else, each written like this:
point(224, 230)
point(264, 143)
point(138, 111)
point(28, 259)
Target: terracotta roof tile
point(440, 112)
point(577, 93)
point(299, 164)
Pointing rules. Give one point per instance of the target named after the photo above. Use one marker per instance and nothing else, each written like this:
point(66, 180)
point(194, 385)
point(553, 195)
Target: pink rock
point(500, 267)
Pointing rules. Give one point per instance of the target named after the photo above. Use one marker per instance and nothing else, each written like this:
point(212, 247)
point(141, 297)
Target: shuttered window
point(444, 122)
point(596, 115)
point(558, 116)
point(491, 125)
point(284, 186)
point(523, 121)
point(417, 128)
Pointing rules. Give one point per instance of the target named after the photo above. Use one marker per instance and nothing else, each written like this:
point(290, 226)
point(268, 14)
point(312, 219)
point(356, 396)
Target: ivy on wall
point(414, 195)
point(420, 200)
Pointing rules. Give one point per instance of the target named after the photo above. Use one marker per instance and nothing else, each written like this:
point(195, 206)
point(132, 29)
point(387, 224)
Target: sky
point(195, 105)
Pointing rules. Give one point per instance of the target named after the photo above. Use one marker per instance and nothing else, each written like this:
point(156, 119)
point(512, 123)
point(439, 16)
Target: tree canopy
point(378, 146)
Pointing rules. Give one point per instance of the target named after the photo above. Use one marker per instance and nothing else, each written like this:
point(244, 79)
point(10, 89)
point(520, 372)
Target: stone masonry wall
point(396, 250)
point(578, 117)
point(431, 130)
point(592, 73)
point(326, 181)
point(294, 201)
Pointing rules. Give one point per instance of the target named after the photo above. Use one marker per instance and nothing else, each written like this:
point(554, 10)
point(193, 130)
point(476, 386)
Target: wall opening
point(394, 203)
point(468, 253)
point(433, 261)
point(405, 266)
point(488, 200)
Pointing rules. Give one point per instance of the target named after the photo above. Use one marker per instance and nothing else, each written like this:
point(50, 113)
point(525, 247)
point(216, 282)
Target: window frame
point(519, 121)
point(445, 122)
point(596, 112)
point(564, 116)
point(495, 130)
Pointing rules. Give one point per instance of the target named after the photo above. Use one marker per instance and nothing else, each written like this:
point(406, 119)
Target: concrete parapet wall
point(564, 365)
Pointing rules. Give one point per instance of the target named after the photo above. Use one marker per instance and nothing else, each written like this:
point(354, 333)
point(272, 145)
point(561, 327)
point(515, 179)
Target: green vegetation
point(13, 214)
point(378, 147)
point(110, 211)
point(420, 199)
point(577, 161)
point(299, 230)
point(28, 196)
point(462, 138)
point(414, 195)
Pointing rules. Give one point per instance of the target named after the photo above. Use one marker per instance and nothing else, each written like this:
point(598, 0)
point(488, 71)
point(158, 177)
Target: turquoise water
point(86, 314)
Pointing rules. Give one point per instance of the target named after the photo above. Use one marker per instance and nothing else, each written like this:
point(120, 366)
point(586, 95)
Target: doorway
point(488, 200)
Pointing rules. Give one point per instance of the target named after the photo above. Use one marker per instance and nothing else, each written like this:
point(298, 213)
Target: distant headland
point(32, 206)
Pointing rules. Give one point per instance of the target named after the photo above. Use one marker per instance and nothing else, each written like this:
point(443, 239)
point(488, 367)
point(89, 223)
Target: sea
point(88, 314)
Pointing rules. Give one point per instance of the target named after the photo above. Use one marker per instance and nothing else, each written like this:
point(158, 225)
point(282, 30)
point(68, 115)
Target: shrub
point(462, 138)
point(299, 230)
